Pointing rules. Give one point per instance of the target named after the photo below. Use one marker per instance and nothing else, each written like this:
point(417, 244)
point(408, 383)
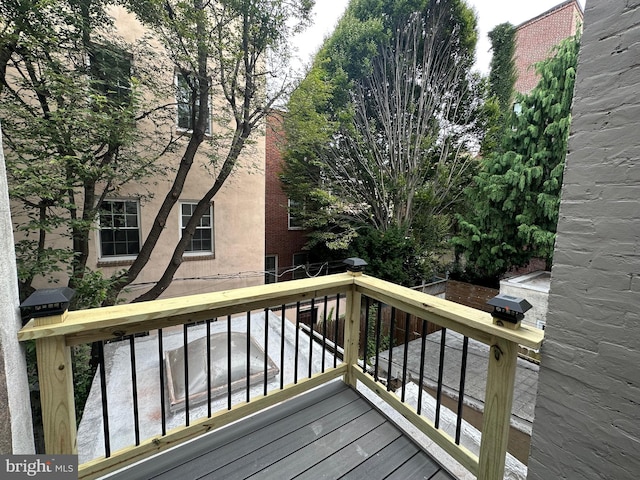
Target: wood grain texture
point(458, 452)
point(55, 376)
point(503, 357)
point(468, 321)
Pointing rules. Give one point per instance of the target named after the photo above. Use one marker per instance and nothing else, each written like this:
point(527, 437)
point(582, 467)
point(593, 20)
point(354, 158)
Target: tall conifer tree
point(516, 196)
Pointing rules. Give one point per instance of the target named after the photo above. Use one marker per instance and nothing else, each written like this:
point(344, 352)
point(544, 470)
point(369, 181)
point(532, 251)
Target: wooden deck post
point(503, 356)
point(55, 375)
point(352, 333)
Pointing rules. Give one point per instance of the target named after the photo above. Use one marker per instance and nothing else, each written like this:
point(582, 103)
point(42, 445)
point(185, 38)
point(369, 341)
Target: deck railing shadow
point(209, 387)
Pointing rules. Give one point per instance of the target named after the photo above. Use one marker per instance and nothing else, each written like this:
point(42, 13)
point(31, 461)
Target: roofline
point(553, 10)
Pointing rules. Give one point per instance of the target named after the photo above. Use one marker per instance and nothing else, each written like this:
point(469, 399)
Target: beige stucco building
point(228, 248)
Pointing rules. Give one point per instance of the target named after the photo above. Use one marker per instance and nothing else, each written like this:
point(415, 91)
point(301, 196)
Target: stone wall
point(586, 419)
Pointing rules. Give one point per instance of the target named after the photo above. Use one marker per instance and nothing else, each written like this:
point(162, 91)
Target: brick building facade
point(284, 242)
point(536, 38)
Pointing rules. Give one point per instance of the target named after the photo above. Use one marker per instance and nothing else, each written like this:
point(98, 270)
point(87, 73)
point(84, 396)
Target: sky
point(490, 13)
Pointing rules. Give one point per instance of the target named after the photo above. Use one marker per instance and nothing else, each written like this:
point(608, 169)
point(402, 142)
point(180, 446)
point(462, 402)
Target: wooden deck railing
point(55, 335)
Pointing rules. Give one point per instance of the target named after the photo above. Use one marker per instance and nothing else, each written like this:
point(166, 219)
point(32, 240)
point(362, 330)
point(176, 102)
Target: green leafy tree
point(222, 48)
point(390, 255)
point(500, 88)
point(502, 74)
point(80, 122)
point(68, 105)
point(379, 129)
point(515, 199)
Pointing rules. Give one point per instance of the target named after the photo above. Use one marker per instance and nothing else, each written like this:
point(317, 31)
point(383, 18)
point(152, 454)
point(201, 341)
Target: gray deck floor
point(331, 432)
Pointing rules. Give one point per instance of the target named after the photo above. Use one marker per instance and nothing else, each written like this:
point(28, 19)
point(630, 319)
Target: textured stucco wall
point(238, 208)
point(586, 420)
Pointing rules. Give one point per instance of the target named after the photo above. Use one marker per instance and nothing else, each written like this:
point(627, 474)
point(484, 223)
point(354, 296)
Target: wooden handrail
point(55, 335)
point(470, 322)
point(106, 323)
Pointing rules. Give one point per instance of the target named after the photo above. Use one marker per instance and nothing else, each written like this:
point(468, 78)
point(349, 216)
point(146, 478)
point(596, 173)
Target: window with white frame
point(202, 240)
point(119, 228)
point(188, 100)
point(295, 222)
point(270, 269)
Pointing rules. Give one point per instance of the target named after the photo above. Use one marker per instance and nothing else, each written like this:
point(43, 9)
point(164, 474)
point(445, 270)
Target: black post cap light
point(355, 264)
point(509, 308)
point(47, 302)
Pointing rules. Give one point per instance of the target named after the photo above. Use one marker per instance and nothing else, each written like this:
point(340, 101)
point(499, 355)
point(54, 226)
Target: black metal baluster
point(423, 345)
point(443, 341)
point(311, 332)
point(378, 335)
point(284, 308)
point(324, 331)
point(134, 389)
point(209, 368)
point(336, 332)
point(366, 333)
point(392, 328)
point(463, 373)
point(406, 352)
point(163, 414)
point(103, 391)
point(248, 355)
point(185, 336)
point(295, 363)
point(228, 362)
point(266, 348)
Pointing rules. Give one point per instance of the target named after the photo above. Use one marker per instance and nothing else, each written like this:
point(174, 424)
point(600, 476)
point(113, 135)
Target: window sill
point(194, 257)
point(116, 262)
point(189, 132)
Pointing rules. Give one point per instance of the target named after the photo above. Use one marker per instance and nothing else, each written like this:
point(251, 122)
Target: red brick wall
point(279, 240)
point(536, 38)
point(534, 265)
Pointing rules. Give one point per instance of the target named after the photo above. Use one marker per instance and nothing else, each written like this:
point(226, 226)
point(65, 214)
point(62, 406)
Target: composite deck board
point(309, 455)
point(352, 455)
point(441, 475)
point(385, 461)
point(418, 466)
point(248, 436)
point(261, 461)
point(331, 432)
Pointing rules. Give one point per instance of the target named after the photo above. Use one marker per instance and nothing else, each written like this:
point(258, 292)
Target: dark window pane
point(107, 249)
point(106, 221)
point(119, 234)
point(131, 207)
point(132, 221)
point(188, 102)
point(201, 241)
